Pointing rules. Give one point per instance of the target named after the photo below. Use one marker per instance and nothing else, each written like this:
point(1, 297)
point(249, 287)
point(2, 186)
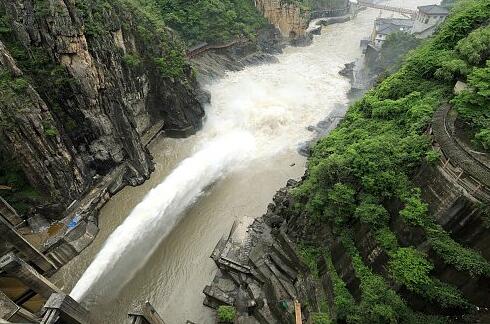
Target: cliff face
point(292, 18)
point(288, 17)
point(81, 85)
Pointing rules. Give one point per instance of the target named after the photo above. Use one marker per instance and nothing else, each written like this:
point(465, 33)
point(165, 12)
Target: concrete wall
point(458, 211)
point(423, 22)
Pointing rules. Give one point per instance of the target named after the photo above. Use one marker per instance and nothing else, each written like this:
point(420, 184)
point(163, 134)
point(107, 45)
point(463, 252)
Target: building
point(427, 20)
point(387, 26)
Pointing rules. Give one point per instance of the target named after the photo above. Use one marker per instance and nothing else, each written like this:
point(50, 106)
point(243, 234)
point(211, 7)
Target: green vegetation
point(310, 255)
point(379, 302)
point(416, 214)
point(344, 303)
point(318, 4)
point(132, 60)
point(472, 105)
point(226, 314)
point(207, 20)
point(172, 65)
point(394, 49)
point(365, 165)
point(320, 318)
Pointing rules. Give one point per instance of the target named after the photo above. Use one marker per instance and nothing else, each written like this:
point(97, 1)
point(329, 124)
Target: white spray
point(133, 242)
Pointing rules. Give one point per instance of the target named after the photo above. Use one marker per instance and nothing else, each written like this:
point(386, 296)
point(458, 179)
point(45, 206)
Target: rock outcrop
point(82, 85)
point(291, 20)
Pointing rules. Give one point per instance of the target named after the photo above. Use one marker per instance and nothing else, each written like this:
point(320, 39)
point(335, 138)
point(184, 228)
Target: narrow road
point(455, 152)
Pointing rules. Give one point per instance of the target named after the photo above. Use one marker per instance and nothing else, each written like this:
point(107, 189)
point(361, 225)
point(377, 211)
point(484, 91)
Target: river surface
point(245, 152)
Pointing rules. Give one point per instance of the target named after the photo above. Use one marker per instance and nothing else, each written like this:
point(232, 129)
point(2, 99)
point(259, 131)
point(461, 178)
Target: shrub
point(19, 85)
point(410, 268)
point(132, 60)
point(226, 314)
point(415, 211)
point(320, 318)
point(386, 239)
point(309, 254)
point(171, 64)
point(373, 214)
point(475, 48)
point(432, 157)
point(472, 105)
point(49, 129)
point(345, 304)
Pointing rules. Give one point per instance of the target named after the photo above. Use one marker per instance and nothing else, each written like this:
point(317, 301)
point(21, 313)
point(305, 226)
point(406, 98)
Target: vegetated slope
point(80, 84)
point(362, 169)
point(207, 20)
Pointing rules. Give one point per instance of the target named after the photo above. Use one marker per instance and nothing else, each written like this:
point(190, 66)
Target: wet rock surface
point(260, 272)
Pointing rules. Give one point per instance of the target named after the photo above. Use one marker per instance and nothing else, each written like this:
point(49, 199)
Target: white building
point(386, 26)
point(427, 20)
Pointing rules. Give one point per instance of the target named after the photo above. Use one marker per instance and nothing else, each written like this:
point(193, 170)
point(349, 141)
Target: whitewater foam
point(133, 242)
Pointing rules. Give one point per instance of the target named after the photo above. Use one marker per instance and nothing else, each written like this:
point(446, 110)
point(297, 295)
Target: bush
point(373, 214)
point(432, 157)
point(472, 105)
point(226, 314)
point(172, 64)
point(320, 318)
point(345, 304)
point(386, 239)
point(309, 254)
point(410, 268)
point(475, 48)
point(132, 60)
point(49, 129)
point(415, 211)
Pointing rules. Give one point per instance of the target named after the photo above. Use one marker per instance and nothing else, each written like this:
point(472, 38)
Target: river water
point(165, 230)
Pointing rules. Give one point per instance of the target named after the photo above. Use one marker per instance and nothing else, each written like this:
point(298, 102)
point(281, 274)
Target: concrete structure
point(427, 20)
point(9, 311)
point(15, 267)
point(144, 313)
point(9, 213)
point(383, 27)
point(61, 308)
point(27, 251)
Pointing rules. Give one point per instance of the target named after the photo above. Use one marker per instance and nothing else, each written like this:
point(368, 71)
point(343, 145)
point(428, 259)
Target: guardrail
point(327, 13)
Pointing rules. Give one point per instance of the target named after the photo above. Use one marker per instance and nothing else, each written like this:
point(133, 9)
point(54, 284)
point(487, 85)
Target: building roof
point(396, 21)
point(434, 10)
point(387, 26)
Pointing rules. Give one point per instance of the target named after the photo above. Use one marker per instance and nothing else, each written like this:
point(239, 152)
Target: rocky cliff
point(81, 84)
point(291, 20)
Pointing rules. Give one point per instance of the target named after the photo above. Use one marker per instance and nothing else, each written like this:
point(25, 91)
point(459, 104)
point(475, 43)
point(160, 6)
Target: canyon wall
point(291, 20)
point(82, 84)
